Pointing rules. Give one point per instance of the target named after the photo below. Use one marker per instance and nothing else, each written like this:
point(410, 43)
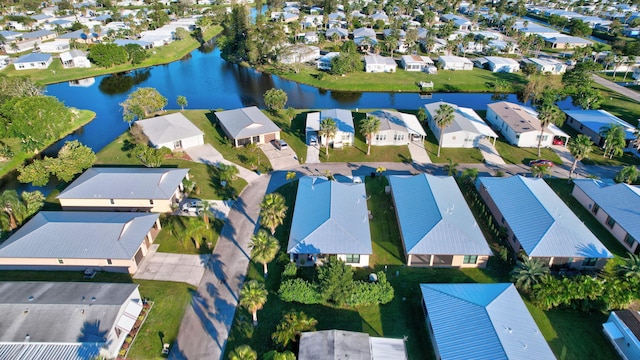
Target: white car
point(280, 144)
point(313, 140)
point(193, 206)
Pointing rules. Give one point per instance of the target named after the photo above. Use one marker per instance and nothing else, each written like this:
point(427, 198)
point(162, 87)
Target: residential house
point(566, 42)
point(66, 320)
point(501, 46)
point(615, 206)
point(396, 128)
point(549, 66)
point(144, 44)
point(592, 122)
point(481, 321)
point(4, 61)
point(125, 189)
point(521, 127)
point(340, 344)
point(437, 227)
point(533, 28)
point(299, 54)
point(455, 63)
point(501, 64)
point(81, 36)
point(548, 229)
point(173, 131)
point(77, 241)
point(54, 47)
point(364, 38)
point(75, 59)
point(376, 63)
point(465, 131)
point(33, 61)
point(247, 125)
point(324, 63)
point(459, 22)
point(311, 37)
point(623, 331)
point(345, 133)
point(330, 218)
point(39, 35)
point(339, 33)
point(380, 16)
point(417, 63)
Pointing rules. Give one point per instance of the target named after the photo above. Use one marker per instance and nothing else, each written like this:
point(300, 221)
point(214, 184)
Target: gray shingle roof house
point(482, 322)
point(125, 189)
point(330, 218)
point(615, 206)
point(173, 131)
point(65, 321)
point(339, 344)
point(248, 125)
point(540, 224)
point(436, 224)
point(73, 240)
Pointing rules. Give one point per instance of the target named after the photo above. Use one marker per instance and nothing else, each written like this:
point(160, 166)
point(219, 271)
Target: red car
point(558, 142)
point(541, 162)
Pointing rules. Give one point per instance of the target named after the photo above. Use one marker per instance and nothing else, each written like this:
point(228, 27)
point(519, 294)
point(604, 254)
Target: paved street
point(161, 266)
point(617, 88)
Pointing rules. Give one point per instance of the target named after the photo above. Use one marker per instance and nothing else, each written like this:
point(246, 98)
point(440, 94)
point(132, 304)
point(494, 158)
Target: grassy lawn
point(173, 228)
point(457, 155)
point(85, 117)
point(597, 154)
point(385, 233)
point(620, 105)
point(159, 55)
point(518, 155)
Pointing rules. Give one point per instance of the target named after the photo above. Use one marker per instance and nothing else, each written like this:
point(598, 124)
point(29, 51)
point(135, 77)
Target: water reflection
point(123, 82)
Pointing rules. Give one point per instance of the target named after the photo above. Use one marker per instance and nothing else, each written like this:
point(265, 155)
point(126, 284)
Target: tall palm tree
point(451, 167)
point(631, 61)
point(627, 174)
point(253, 296)
point(293, 324)
point(580, 148)
point(470, 174)
point(630, 268)
point(291, 175)
point(11, 204)
point(528, 272)
point(328, 129)
point(272, 211)
point(443, 118)
point(197, 230)
point(369, 126)
point(614, 140)
point(264, 248)
point(548, 114)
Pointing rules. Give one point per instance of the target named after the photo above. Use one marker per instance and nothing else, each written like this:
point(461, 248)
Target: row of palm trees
point(368, 127)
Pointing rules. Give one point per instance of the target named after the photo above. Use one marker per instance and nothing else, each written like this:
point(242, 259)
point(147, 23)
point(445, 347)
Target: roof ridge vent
point(124, 228)
point(163, 176)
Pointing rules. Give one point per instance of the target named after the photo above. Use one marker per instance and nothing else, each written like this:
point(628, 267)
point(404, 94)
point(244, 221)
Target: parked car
point(541, 162)
point(193, 206)
point(313, 140)
point(558, 141)
point(280, 144)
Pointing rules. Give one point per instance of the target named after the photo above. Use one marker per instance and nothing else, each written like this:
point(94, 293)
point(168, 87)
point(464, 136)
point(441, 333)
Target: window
point(589, 262)
point(352, 259)
point(112, 201)
point(398, 137)
point(581, 127)
point(381, 137)
point(595, 209)
point(610, 222)
point(109, 262)
point(60, 261)
point(150, 201)
point(470, 259)
point(629, 240)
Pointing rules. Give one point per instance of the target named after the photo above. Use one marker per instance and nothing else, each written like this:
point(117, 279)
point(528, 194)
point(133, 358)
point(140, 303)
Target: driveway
point(161, 266)
point(313, 154)
point(489, 153)
point(280, 159)
point(418, 153)
point(207, 154)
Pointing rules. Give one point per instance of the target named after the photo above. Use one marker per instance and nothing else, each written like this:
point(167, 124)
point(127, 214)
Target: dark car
point(540, 162)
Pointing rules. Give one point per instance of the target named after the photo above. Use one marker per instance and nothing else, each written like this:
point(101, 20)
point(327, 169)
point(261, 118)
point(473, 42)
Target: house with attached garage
point(465, 131)
point(437, 227)
point(615, 206)
point(66, 320)
point(33, 61)
point(345, 133)
point(77, 241)
point(247, 126)
point(173, 131)
point(540, 224)
point(481, 321)
point(396, 128)
point(330, 218)
point(592, 122)
point(622, 329)
point(376, 63)
point(417, 63)
point(501, 64)
point(125, 189)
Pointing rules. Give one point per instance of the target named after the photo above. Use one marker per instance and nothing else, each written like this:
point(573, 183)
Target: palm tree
point(197, 230)
point(627, 174)
point(272, 211)
point(328, 128)
point(206, 213)
point(182, 101)
point(451, 168)
point(580, 148)
point(540, 171)
point(528, 272)
point(369, 126)
point(614, 140)
point(264, 248)
point(470, 174)
point(548, 114)
point(630, 268)
point(253, 296)
point(11, 204)
point(293, 324)
point(243, 352)
point(631, 61)
point(444, 117)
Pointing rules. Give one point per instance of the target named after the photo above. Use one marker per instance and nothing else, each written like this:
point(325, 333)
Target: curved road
point(631, 94)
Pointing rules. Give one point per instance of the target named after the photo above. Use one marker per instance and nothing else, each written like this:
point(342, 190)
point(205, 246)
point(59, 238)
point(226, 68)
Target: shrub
point(380, 292)
point(299, 290)
point(290, 270)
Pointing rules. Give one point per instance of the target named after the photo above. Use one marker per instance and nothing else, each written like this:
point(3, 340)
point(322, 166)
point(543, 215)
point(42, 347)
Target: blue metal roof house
point(436, 224)
point(591, 122)
point(539, 223)
point(481, 322)
point(330, 218)
point(615, 206)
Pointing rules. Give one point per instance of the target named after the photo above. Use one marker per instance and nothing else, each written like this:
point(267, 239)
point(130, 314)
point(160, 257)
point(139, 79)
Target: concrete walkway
point(631, 94)
point(161, 266)
point(489, 153)
point(313, 155)
point(205, 326)
point(418, 153)
point(207, 154)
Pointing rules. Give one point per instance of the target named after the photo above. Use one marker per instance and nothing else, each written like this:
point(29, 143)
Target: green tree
point(587, 97)
point(108, 55)
point(272, 211)
point(336, 281)
point(264, 248)
point(197, 230)
point(37, 173)
point(16, 209)
point(451, 168)
point(421, 114)
point(540, 171)
point(275, 355)
point(580, 148)
point(17, 86)
point(275, 99)
point(444, 117)
point(627, 174)
point(253, 296)
point(146, 100)
point(227, 172)
point(346, 63)
point(529, 69)
point(73, 158)
point(328, 129)
point(291, 175)
point(369, 126)
point(470, 175)
point(181, 33)
point(136, 53)
point(182, 101)
point(629, 269)
point(292, 326)
point(243, 352)
point(580, 28)
point(614, 140)
point(548, 113)
point(149, 156)
point(528, 272)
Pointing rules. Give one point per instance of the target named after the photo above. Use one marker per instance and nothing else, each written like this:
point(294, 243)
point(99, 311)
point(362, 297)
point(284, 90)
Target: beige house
point(125, 189)
point(396, 128)
point(77, 241)
point(248, 126)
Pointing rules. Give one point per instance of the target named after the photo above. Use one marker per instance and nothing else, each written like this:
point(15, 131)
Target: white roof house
point(436, 224)
point(74, 240)
point(489, 321)
point(54, 47)
point(339, 344)
point(520, 125)
point(344, 121)
point(465, 131)
point(376, 63)
point(591, 122)
point(299, 54)
point(173, 131)
point(330, 218)
point(66, 321)
point(75, 59)
point(548, 229)
point(566, 42)
point(324, 62)
point(455, 63)
point(33, 61)
point(396, 128)
point(550, 66)
point(416, 63)
point(248, 125)
point(501, 64)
